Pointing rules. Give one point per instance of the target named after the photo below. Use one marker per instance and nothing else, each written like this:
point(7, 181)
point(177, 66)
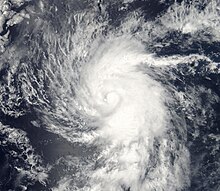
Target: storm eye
point(111, 98)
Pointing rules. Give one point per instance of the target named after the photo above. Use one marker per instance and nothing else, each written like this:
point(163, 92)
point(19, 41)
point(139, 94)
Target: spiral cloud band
point(119, 95)
point(129, 110)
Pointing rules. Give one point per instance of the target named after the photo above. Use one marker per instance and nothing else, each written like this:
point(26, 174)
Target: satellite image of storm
point(109, 95)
